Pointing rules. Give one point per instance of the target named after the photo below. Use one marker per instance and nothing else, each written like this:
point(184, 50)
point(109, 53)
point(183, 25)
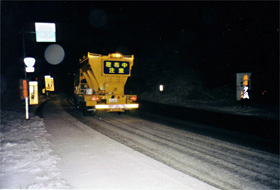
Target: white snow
point(63, 153)
point(223, 106)
point(94, 161)
point(27, 160)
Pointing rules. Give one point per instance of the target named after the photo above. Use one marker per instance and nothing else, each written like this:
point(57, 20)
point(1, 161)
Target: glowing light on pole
point(29, 62)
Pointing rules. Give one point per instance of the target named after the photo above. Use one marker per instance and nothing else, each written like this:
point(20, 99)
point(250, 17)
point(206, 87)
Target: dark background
point(194, 48)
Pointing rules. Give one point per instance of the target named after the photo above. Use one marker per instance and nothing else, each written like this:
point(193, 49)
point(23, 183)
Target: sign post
point(243, 86)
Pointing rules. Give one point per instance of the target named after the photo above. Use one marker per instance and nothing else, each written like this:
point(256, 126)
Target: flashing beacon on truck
point(101, 81)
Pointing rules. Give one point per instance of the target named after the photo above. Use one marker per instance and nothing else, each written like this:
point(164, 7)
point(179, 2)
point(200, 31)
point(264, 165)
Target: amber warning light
point(115, 55)
point(133, 98)
point(95, 98)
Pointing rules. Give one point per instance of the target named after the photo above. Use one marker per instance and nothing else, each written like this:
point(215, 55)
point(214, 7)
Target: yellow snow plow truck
point(100, 83)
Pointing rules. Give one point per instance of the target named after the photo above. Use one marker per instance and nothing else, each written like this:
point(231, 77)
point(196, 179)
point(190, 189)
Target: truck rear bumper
point(117, 106)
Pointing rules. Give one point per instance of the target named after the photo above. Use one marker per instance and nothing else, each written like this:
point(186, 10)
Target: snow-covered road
point(217, 162)
point(90, 159)
point(108, 151)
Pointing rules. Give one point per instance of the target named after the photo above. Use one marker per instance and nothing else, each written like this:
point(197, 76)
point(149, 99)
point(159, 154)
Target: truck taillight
point(133, 98)
point(94, 98)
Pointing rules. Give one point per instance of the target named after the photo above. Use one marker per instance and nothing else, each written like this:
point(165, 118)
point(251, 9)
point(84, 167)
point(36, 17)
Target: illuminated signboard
point(49, 83)
point(243, 85)
point(116, 67)
point(33, 93)
point(45, 32)
point(23, 89)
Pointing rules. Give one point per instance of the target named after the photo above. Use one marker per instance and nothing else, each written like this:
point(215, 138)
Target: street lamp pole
point(25, 76)
point(29, 62)
point(41, 30)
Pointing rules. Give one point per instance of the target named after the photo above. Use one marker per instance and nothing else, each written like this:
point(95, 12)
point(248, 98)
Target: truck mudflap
point(117, 107)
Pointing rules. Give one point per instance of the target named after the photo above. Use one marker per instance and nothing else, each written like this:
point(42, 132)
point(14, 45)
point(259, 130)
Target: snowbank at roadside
point(224, 106)
point(27, 159)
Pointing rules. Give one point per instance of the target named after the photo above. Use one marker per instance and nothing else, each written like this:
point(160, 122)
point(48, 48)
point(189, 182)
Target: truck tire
point(84, 110)
point(90, 113)
point(77, 104)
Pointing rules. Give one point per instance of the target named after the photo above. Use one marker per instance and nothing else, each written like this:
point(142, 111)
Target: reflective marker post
point(24, 94)
point(26, 108)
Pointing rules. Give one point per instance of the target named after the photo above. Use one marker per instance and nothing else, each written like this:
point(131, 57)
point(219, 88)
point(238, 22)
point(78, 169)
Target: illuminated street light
point(29, 62)
point(161, 87)
point(30, 69)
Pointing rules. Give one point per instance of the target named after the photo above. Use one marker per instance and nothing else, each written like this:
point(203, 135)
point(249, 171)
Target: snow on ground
point(224, 106)
point(27, 159)
point(59, 152)
point(92, 160)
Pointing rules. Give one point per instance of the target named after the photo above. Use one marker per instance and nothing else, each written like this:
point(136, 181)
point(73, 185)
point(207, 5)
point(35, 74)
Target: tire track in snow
point(219, 163)
point(223, 161)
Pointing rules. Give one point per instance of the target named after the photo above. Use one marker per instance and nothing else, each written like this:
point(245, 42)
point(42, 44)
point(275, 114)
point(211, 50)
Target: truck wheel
point(91, 113)
point(85, 113)
point(77, 105)
point(84, 110)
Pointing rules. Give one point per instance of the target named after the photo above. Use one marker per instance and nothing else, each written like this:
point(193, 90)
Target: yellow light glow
point(33, 93)
point(49, 83)
point(132, 105)
point(115, 55)
point(117, 106)
point(102, 106)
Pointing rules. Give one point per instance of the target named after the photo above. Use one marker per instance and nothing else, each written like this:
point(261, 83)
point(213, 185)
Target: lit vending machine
point(49, 83)
point(33, 93)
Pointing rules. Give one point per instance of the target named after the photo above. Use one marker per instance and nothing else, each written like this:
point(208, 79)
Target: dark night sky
point(210, 40)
